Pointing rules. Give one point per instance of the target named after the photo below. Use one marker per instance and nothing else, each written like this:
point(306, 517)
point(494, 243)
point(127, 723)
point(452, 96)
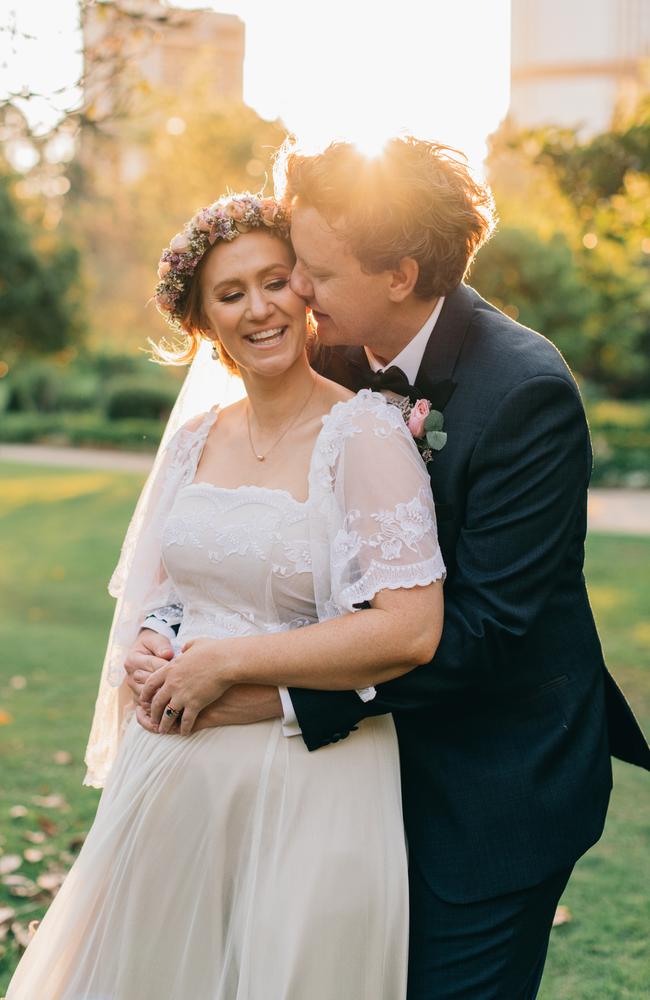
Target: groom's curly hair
point(416, 199)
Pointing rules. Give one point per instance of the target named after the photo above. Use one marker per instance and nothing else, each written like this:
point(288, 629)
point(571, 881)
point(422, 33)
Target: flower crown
point(225, 219)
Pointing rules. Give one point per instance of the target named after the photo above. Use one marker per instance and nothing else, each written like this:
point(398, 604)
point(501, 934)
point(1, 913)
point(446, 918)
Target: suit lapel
point(435, 375)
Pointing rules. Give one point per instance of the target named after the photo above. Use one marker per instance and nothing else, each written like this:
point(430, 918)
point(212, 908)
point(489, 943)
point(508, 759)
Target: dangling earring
point(215, 353)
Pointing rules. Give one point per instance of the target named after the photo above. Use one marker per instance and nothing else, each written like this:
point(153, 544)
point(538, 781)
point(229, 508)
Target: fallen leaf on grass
point(9, 863)
point(34, 836)
point(5, 718)
point(18, 682)
point(21, 933)
point(16, 811)
point(54, 801)
point(6, 916)
point(47, 825)
point(33, 855)
point(562, 916)
point(20, 885)
point(62, 757)
point(51, 880)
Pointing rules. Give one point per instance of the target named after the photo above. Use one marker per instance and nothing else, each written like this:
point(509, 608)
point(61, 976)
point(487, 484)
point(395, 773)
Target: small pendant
point(260, 458)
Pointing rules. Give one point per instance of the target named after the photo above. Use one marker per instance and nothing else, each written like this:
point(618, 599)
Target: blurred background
point(117, 120)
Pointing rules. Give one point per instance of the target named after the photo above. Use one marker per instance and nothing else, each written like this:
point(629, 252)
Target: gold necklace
point(262, 458)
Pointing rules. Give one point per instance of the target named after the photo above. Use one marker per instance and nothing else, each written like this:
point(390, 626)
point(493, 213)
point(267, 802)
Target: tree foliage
point(39, 307)
point(130, 194)
point(538, 283)
point(573, 252)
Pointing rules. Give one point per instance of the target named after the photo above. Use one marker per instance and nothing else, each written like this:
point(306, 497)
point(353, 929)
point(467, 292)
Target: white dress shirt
point(409, 360)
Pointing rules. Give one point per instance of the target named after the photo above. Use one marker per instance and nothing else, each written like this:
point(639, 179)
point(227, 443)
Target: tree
point(121, 219)
point(39, 307)
point(538, 283)
point(595, 195)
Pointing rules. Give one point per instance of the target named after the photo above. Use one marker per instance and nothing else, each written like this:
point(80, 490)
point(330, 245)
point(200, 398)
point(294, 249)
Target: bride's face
point(249, 304)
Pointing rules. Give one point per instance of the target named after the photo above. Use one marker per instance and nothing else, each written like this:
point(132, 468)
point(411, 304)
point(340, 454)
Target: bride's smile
point(250, 306)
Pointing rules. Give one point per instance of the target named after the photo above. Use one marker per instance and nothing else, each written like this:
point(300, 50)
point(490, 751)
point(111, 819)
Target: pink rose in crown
point(419, 414)
point(268, 210)
point(163, 269)
point(180, 243)
point(235, 211)
point(202, 222)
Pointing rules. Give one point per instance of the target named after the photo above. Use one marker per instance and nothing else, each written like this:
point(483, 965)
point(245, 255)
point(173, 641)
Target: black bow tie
point(357, 374)
point(394, 380)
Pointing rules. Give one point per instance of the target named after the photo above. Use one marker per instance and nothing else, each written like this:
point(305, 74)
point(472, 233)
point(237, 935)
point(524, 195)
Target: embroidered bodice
point(250, 559)
point(240, 560)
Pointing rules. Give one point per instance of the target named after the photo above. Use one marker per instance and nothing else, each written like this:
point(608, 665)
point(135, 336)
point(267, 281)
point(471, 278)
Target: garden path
point(616, 511)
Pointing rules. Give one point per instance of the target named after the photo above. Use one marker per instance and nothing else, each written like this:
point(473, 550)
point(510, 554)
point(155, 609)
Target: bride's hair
point(178, 294)
point(416, 199)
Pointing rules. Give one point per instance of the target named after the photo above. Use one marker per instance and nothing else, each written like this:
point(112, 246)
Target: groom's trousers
point(493, 949)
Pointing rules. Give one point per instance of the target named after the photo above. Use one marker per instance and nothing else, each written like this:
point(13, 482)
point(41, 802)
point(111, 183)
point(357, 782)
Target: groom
point(505, 737)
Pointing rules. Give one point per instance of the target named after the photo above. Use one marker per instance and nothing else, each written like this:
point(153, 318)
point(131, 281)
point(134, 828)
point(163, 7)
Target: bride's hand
point(194, 679)
point(142, 713)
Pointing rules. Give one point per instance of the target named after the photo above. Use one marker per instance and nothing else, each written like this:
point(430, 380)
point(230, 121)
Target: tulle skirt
point(234, 865)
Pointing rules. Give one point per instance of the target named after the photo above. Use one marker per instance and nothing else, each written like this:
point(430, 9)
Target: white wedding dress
point(233, 864)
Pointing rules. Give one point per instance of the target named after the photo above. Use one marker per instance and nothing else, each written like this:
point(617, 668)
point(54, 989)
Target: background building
point(144, 47)
point(574, 61)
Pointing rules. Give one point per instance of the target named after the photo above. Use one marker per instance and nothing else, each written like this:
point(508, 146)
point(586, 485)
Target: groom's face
point(348, 304)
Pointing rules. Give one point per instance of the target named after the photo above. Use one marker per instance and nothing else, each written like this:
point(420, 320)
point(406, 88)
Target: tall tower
point(573, 61)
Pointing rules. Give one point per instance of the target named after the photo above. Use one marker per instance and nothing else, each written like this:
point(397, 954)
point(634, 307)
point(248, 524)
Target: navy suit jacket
point(505, 737)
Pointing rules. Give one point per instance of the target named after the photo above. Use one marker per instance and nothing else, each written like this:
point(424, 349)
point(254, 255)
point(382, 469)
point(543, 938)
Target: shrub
point(32, 387)
point(132, 397)
point(621, 440)
point(80, 429)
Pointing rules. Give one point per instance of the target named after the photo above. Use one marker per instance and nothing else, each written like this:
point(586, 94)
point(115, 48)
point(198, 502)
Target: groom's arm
point(527, 486)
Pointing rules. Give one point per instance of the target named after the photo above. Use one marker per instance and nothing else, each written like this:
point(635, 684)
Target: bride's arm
point(400, 631)
point(376, 545)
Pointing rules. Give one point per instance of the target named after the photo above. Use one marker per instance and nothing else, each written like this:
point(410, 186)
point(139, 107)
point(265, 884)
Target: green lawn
point(60, 532)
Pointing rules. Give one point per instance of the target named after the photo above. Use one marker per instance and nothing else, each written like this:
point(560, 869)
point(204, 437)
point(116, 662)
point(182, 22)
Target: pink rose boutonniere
point(419, 412)
point(425, 425)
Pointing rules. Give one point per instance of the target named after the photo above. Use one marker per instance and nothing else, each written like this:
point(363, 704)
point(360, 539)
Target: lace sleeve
point(163, 609)
point(387, 538)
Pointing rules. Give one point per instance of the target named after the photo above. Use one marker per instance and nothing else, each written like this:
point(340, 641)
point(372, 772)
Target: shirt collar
point(410, 357)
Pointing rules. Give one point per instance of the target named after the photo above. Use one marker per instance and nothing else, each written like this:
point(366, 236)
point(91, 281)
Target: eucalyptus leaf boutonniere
point(426, 426)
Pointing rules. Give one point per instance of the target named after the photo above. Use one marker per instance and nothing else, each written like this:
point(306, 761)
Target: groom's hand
point(241, 705)
point(149, 652)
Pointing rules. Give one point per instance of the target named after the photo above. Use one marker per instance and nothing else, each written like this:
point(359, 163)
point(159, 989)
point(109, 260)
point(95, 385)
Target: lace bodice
point(250, 559)
point(240, 560)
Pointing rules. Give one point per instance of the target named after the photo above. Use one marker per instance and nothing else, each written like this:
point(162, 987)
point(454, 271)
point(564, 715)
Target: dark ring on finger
point(171, 712)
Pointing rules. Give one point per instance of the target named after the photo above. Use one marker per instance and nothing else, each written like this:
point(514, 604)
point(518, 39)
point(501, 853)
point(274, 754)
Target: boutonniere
point(425, 425)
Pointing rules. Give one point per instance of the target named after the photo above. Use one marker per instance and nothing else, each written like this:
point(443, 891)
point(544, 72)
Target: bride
point(230, 863)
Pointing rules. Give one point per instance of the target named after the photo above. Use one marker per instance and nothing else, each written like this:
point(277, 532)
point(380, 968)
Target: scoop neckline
point(214, 411)
point(248, 486)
